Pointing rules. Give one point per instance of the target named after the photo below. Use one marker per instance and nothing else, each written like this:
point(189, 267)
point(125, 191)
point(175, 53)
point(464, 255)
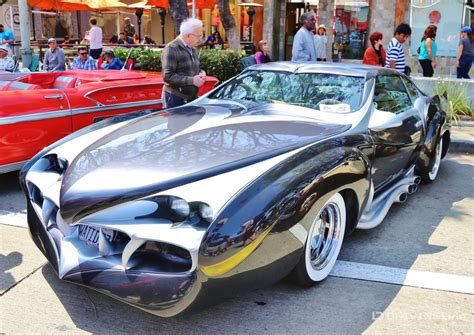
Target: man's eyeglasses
point(82, 53)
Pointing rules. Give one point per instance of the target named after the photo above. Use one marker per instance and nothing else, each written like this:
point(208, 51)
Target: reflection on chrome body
point(77, 111)
point(180, 208)
point(11, 167)
point(375, 214)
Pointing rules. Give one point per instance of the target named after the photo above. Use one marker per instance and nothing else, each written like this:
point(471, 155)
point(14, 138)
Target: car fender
point(435, 128)
point(266, 224)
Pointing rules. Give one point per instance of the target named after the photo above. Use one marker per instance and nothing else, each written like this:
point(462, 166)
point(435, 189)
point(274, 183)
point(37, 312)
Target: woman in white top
point(95, 39)
point(320, 41)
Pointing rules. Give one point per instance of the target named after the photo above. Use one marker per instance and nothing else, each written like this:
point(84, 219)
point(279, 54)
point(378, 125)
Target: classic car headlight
point(180, 207)
point(205, 212)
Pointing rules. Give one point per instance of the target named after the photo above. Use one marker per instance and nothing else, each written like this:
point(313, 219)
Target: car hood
point(168, 149)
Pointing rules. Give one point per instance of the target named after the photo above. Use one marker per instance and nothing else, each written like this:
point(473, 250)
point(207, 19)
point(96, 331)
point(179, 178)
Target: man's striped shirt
point(395, 52)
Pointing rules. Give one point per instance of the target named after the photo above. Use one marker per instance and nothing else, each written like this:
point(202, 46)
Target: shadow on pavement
point(8, 262)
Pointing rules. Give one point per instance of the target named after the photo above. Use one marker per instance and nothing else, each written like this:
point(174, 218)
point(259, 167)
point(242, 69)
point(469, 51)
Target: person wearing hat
point(465, 53)
point(6, 62)
point(113, 63)
point(54, 59)
point(320, 41)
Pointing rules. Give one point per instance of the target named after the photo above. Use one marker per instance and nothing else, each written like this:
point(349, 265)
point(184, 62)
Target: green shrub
point(222, 64)
point(457, 103)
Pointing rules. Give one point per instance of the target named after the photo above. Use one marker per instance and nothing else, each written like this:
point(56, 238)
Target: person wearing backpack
point(428, 50)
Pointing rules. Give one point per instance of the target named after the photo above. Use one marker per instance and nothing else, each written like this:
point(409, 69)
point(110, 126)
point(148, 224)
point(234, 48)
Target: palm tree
point(229, 24)
point(179, 11)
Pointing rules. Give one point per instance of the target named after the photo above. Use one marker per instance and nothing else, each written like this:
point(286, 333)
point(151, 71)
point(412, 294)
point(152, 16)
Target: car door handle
point(54, 96)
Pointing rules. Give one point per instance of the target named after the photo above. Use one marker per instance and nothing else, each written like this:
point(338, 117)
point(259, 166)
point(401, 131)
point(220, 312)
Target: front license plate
point(90, 235)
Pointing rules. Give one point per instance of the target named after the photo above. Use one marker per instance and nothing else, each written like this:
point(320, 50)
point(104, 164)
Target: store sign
point(446, 15)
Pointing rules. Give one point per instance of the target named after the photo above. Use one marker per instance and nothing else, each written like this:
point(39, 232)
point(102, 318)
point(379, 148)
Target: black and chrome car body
point(263, 176)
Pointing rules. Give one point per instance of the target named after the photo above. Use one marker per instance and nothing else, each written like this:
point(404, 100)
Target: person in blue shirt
point(113, 63)
point(428, 50)
point(6, 37)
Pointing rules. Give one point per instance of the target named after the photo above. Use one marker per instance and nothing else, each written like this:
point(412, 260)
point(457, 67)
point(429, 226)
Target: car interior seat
point(64, 82)
point(19, 86)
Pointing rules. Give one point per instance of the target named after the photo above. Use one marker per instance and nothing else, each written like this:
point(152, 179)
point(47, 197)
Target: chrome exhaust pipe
point(412, 188)
point(417, 180)
point(402, 197)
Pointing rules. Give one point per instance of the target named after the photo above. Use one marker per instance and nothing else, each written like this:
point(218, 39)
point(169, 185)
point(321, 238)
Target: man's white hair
point(189, 26)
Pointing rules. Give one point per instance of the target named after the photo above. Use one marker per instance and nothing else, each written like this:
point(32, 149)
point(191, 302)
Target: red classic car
point(37, 109)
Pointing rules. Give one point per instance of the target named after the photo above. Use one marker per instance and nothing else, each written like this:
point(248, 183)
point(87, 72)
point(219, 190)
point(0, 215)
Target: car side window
point(391, 95)
point(412, 89)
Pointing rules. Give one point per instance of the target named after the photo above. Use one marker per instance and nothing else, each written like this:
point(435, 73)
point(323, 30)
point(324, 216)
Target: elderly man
point(113, 63)
point(54, 59)
point(128, 27)
point(304, 48)
point(83, 61)
point(180, 63)
point(6, 62)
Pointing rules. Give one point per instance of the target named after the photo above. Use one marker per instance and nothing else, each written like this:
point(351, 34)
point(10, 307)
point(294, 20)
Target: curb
point(461, 145)
point(463, 124)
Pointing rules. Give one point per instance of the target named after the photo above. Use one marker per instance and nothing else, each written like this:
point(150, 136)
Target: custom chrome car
point(38, 109)
point(261, 178)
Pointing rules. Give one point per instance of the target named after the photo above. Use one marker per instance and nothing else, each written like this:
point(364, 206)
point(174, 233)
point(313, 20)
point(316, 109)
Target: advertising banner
point(446, 15)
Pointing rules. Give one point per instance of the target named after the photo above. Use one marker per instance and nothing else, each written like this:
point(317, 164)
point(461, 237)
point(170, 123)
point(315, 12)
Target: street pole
point(25, 29)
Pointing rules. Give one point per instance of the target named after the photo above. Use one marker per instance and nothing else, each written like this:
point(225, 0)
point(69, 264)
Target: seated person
point(113, 63)
point(83, 61)
point(148, 40)
point(113, 39)
point(66, 41)
point(6, 62)
point(123, 39)
point(54, 58)
point(215, 41)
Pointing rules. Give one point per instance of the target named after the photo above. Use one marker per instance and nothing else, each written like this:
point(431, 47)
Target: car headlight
point(205, 212)
point(179, 207)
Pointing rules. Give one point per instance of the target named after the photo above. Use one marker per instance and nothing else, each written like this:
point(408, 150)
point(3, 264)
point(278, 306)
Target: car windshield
point(320, 91)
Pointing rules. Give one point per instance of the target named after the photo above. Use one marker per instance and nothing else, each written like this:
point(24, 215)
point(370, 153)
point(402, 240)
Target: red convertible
point(38, 109)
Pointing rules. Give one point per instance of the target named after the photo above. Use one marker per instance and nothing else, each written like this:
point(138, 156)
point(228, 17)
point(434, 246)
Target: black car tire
point(323, 243)
point(429, 175)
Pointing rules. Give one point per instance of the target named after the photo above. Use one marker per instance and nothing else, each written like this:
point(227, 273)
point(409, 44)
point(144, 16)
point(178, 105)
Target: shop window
point(350, 28)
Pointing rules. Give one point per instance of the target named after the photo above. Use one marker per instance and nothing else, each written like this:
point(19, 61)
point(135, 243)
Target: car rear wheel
point(323, 243)
point(429, 175)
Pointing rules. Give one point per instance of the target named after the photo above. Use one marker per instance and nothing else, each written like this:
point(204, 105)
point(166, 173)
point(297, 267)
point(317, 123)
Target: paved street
point(412, 274)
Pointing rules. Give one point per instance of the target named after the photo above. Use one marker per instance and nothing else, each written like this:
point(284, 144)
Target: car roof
point(346, 69)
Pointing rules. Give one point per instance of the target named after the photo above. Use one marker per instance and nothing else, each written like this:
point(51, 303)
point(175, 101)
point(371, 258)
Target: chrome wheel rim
point(325, 236)
point(434, 169)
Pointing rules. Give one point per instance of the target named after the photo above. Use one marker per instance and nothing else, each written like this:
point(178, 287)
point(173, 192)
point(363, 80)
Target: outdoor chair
point(248, 61)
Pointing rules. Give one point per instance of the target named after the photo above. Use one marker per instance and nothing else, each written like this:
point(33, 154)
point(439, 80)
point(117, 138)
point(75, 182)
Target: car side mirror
point(381, 120)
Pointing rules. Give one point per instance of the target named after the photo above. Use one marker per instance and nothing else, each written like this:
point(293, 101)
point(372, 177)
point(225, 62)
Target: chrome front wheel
point(323, 243)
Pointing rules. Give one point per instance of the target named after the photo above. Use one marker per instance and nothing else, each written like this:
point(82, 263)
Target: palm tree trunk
point(179, 12)
point(229, 24)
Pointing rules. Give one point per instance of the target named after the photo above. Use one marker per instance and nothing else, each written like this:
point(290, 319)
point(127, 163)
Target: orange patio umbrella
point(201, 4)
point(99, 4)
point(57, 5)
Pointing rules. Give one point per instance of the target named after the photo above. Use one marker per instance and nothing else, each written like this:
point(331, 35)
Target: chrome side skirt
point(12, 167)
point(378, 207)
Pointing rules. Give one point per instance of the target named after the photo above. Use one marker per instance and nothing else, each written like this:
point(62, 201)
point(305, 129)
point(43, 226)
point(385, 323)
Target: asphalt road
point(412, 274)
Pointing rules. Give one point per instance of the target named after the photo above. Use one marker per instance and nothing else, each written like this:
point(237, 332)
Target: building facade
point(350, 23)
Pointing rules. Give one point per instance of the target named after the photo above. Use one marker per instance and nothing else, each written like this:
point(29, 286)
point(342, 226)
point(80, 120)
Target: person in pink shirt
point(95, 39)
point(262, 55)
